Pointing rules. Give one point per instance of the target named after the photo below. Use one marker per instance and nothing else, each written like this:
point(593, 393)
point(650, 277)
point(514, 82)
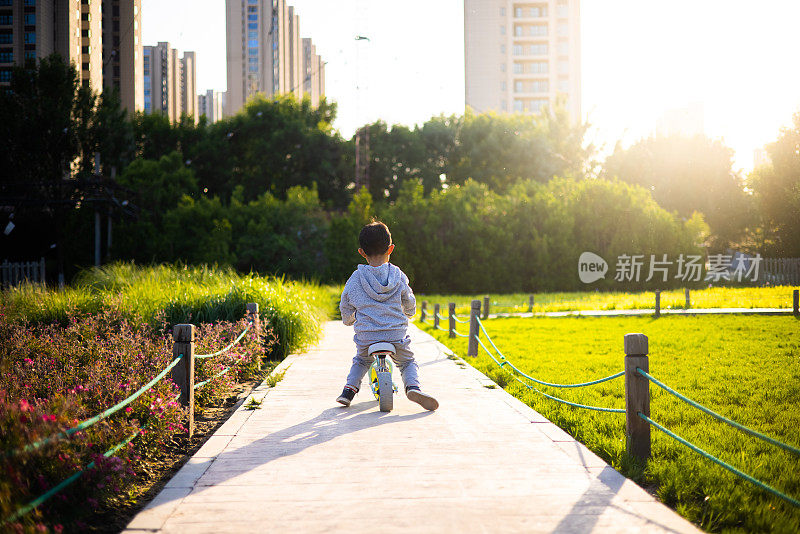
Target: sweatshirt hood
point(380, 283)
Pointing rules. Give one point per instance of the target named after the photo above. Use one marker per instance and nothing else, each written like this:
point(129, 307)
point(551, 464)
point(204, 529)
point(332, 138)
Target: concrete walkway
point(483, 462)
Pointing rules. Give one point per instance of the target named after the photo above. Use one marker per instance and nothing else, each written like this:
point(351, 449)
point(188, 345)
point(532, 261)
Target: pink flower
point(24, 406)
point(128, 409)
point(28, 361)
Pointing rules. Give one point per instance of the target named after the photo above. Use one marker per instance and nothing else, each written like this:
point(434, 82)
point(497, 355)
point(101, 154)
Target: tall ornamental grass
point(183, 294)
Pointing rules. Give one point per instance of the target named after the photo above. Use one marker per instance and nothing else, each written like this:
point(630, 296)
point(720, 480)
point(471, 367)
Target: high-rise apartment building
point(122, 51)
point(188, 86)
point(99, 37)
point(313, 72)
point(265, 53)
point(210, 105)
point(169, 82)
point(522, 55)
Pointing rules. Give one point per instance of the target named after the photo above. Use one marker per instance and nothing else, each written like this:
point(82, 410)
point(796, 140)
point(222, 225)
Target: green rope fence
point(528, 386)
point(64, 483)
point(204, 382)
point(719, 462)
point(506, 362)
point(229, 347)
point(99, 417)
point(503, 362)
point(722, 418)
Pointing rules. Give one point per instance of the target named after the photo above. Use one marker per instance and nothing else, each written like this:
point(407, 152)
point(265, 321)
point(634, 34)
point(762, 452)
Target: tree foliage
point(777, 190)
point(686, 175)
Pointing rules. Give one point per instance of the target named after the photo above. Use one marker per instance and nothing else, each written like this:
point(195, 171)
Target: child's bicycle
point(380, 375)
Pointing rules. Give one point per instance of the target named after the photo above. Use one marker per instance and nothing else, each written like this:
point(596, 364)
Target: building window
point(503, 86)
point(6, 56)
point(518, 12)
point(252, 43)
point(502, 29)
point(252, 35)
point(252, 25)
point(503, 105)
point(563, 67)
point(538, 30)
point(30, 19)
point(562, 10)
point(30, 38)
point(502, 67)
point(85, 17)
point(252, 17)
point(502, 11)
point(252, 68)
point(503, 49)
point(517, 87)
point(517, 105)
point(563, 85)
point(516, 50)
point(563, 48)
point(86, 49)
point(252, 51)
point(6, 20)
point(85, 33)
point(30, 2)
point(563, 29)
point(252, 9)
point(30, 55)
point(252, 60)
point(5, 3)
point(5, 38)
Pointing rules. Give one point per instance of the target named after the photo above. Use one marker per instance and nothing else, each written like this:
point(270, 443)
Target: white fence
point(15, 273)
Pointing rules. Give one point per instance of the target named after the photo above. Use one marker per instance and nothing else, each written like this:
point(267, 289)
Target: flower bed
point(55, 376)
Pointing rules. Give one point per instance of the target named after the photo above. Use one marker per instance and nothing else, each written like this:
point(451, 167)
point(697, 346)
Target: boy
point(378, 301)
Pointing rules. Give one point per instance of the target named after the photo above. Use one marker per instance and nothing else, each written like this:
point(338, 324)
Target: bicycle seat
point(381, 347)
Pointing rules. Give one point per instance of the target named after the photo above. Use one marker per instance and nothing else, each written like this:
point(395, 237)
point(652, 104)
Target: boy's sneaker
point(347, 395)
point(423, 399)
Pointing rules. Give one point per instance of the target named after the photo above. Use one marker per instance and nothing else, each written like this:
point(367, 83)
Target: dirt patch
point(153, 475)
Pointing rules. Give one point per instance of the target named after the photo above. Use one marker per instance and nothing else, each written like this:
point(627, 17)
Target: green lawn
point(716, 297)
point(744, 367)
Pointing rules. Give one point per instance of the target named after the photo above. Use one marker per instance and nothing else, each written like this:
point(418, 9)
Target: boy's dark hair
point(374, 238)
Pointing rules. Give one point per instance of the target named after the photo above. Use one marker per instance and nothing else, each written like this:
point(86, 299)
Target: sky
point(640, 59)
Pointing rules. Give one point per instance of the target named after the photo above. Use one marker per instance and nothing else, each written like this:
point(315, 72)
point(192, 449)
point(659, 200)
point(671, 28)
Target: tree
point(45, 118)
point(271, 146)
point(776, 188)
point(686, 175)
point(502, 149)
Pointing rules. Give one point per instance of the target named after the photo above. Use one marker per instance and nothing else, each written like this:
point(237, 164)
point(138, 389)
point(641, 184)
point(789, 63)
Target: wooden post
point(472, 342)
point(485, 307)
point(253, 317)
point(658, 303)
point(436, 316)
point(796, 302)
point(183, 373)
point(423, 314)
point(530, 303)
point(688, 299)
point(451, 313)
point(637, 397)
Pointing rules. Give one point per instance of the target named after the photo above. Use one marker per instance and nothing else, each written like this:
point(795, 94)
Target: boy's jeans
point(403, 359)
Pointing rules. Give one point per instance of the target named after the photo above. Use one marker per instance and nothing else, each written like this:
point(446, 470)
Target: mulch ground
point(156, 472)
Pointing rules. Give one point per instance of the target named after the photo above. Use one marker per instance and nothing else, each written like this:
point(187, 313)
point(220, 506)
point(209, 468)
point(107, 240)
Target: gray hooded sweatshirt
point(378, 301)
